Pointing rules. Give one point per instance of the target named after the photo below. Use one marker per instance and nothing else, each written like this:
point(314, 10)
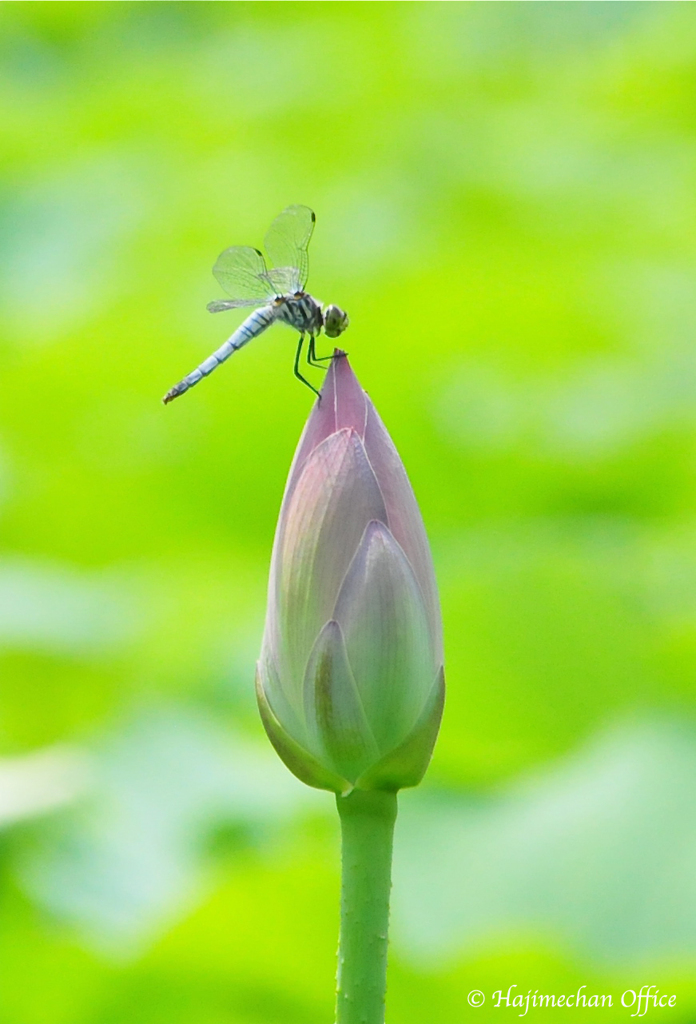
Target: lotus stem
point(367, 830)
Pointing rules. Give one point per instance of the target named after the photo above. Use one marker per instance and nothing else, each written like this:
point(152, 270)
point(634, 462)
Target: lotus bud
point(350, 680)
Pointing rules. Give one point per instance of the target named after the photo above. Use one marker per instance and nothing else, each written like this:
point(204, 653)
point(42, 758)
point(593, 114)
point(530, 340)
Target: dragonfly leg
point(313, 359)
point(296, 367)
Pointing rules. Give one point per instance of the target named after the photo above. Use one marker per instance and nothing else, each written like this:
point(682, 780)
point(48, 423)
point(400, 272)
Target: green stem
point(367, 829)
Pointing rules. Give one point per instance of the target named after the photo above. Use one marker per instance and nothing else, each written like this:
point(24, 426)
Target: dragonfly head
point(335, 321)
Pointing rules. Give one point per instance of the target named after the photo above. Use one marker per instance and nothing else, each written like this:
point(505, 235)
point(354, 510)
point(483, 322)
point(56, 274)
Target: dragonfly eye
point(335, 321)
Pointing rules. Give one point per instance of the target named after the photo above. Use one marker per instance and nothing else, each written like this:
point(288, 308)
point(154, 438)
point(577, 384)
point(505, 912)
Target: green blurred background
point(506, 206)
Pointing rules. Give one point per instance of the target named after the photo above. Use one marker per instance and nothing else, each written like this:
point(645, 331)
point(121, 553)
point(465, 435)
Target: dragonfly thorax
point(301, 312)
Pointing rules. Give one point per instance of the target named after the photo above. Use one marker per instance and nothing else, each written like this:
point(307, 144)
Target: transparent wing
point(286, 280)
point(286, 244)
point(241, 272)
point(220, 304)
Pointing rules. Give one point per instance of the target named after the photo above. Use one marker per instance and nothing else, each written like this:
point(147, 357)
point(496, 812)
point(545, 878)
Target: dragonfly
point(277, 292)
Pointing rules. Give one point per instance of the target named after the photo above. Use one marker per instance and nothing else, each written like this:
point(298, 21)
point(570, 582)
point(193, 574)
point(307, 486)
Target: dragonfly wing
point(241, 272)
point(285, 280)
point(221, 304)
point(286, 244)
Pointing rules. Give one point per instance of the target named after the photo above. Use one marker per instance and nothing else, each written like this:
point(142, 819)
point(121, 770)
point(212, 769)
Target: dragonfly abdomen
point(254, 325)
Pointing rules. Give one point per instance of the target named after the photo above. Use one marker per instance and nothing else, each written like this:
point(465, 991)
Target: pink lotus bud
point(350, 680)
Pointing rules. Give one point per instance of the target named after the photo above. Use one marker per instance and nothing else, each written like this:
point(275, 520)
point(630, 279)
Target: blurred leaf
point(42, 781)
point(596, 852)
point(52, 608)
point(130, 860)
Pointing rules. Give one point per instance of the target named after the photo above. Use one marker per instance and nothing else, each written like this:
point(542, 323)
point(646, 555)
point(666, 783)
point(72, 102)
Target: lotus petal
point(343, 404)
point(403, 515)
point(269, 677)
point(300, 761)
point(406, 764)
point(335, 497)
point(381, 612)
point(336, 719)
